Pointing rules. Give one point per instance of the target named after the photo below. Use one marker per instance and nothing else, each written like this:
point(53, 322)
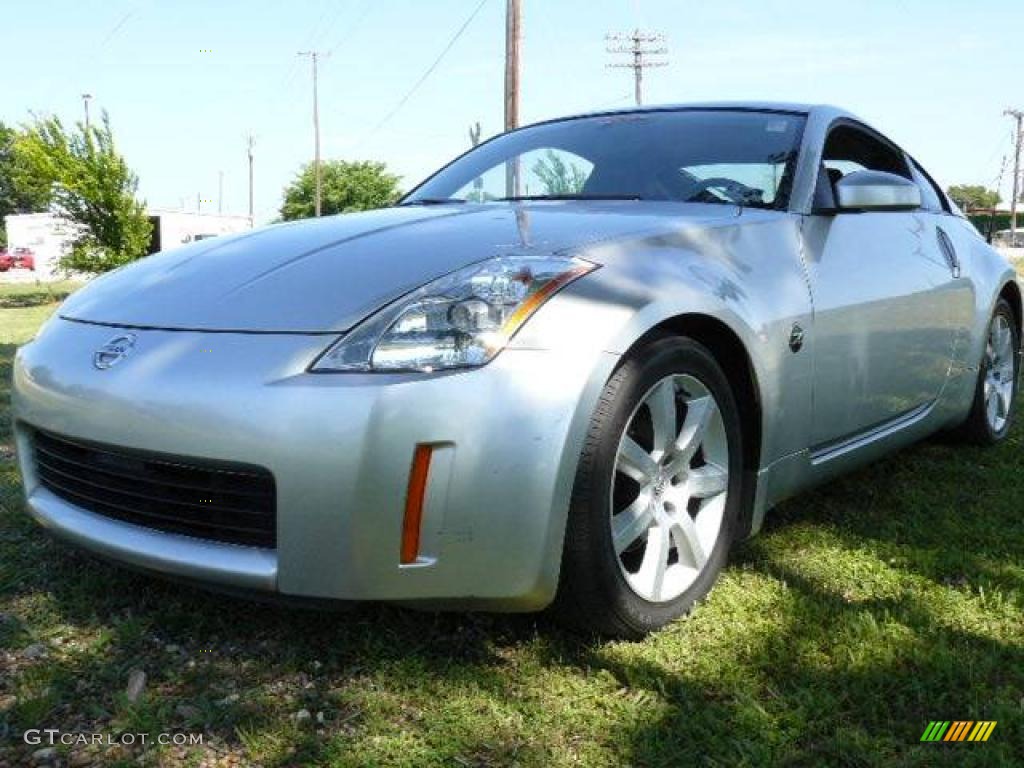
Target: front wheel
point(656, 500)
point(993, 410)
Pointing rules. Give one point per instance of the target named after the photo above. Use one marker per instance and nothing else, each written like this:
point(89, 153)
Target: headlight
point(460, 320)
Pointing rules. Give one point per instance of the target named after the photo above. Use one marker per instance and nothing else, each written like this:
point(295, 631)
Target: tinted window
point(849, 149)
point(709, 156)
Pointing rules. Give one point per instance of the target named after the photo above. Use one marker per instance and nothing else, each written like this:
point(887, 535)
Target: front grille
point(196, 497)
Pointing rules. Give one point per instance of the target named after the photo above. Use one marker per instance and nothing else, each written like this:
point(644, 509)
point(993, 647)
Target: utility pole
point(513, 38)
point(315, 57)
point(1018, 116)
point(252, 140)
point(637, 45)
point(86, 98)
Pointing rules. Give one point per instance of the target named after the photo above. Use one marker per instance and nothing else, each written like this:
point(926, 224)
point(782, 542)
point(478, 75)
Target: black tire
point(977, 429)
point(593, 595)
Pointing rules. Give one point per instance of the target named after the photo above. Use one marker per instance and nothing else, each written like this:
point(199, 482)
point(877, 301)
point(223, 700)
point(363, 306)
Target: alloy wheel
point(669, 488)
point(1000, 374)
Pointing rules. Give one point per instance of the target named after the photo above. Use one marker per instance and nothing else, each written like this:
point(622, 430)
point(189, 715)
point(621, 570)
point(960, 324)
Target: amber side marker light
point(413, 520)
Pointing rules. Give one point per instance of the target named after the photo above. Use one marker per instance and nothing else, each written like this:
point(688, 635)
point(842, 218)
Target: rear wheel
point(657, 494)
point(992, 414)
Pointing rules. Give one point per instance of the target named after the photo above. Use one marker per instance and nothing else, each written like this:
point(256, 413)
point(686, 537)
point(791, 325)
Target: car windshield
point(736, 157)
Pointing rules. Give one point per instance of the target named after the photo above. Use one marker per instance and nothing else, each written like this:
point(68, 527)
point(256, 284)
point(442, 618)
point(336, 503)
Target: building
point(46, 235)
point(172, 229)
point(49, 237)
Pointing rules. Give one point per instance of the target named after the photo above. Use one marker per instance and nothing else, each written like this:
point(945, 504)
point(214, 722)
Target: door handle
point(946, 246)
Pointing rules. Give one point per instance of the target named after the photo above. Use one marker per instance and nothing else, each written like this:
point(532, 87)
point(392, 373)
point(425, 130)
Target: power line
point(638, 45)
point(427, 74)
point(350, 32)
point(117, 27)
point(314, 33)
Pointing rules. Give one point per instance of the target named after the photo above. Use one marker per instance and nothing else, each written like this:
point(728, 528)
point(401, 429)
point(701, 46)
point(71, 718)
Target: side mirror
point(876, 191)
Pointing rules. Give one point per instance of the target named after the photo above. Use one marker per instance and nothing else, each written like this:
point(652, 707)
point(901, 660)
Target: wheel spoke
point(651, 575)
point(662, 405)
point(1004, 396)
point(635, 462)
point(699, 413)
point(707, 481)
point(1005, 341)
point(631, 523)
point(684, 532)
point(992, 404)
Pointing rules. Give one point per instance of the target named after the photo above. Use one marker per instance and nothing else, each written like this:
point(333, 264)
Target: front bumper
point(506, 440)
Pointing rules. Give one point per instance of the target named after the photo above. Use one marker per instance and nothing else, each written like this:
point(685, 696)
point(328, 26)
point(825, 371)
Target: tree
point(346, 187)
point(973, 196)
point(558, 177)
point(20, 190)
point(92, 188)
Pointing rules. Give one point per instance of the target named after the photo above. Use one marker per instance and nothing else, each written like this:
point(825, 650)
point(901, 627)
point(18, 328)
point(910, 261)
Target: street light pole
point(86, 98)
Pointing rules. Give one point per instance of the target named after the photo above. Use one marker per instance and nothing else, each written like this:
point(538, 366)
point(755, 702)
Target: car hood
point(325, 275)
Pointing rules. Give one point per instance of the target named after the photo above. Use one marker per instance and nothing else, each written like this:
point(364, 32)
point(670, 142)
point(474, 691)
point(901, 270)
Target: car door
point(883, 324)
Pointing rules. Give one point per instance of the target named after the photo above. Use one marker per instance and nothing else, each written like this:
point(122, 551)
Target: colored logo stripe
point(958, 730)
point(935, 730)
point(982, 730)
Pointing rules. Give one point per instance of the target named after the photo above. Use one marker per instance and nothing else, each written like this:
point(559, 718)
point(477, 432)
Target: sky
point(186, 81)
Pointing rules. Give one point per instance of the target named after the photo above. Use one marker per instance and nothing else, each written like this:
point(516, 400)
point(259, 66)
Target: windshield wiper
point(518, 198)
point(433, 201)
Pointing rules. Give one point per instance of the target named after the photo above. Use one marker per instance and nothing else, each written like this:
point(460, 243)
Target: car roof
point(826, 111)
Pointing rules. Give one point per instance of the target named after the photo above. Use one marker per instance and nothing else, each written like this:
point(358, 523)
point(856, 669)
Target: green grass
point(15, 295)
point(866, 609)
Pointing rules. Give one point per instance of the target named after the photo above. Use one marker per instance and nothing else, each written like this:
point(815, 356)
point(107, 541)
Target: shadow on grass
point(821, 671)
point(6, 361)
point(34, 297)
point(801, 704)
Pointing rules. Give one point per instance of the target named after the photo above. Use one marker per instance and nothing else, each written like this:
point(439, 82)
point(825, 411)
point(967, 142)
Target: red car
point(6, 260)
point(24, 258)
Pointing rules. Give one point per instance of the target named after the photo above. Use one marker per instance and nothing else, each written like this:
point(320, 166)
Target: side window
point(932, 198)
point(849, 149)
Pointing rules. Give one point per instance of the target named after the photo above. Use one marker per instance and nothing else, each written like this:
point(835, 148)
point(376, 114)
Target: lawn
point(865, 610)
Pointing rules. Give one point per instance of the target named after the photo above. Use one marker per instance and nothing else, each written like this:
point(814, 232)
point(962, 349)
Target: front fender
point(749, 277)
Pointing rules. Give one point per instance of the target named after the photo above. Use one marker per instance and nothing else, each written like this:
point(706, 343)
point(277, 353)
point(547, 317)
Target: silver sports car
point(570, 368)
